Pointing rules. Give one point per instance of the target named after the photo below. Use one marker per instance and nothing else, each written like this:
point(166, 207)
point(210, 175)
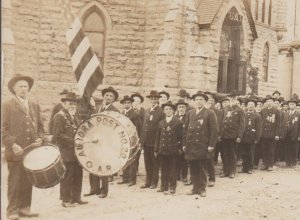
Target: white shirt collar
point(199, 110)
point(168, 119)
point(24, 102)
point(152, 108)
point(127, 110)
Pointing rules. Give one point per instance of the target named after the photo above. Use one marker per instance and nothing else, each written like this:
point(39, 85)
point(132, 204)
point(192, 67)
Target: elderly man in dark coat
point(200, 137)
point(129, 173)
point(110, 95)
point(21, 126)
point(65, 123)
point(152, 118)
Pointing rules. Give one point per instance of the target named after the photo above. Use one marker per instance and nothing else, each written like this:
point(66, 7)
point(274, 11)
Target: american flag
point(86, 66)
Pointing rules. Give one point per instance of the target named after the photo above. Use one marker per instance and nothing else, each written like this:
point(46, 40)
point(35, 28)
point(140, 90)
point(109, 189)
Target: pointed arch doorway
point(232, 70)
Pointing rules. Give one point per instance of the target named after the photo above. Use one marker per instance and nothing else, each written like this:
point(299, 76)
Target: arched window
point(94, 27)
point(266, 54)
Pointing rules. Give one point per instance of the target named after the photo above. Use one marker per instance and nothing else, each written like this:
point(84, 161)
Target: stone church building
point(162, 44)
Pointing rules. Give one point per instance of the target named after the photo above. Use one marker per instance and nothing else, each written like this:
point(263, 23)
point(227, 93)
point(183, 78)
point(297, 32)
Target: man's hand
point(210, 149)
point(48, 138)
point(238, 140)
point(276, 138)
point(38, 141)
point(184, 148)
point(17, 149)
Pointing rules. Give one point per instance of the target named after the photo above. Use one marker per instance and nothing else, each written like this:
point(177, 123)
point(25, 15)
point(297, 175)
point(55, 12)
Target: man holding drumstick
point(21, 126)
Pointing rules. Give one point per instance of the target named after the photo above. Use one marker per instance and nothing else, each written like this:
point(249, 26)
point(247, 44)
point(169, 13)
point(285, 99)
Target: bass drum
point(106, 143)
point(44, 166)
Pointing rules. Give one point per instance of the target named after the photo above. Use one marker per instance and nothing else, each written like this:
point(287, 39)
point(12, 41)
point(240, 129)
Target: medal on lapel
point(249, 123)
point(296, 119)
point(228, 114)
point(168, 128)
point(151, 117)
point(201, 121)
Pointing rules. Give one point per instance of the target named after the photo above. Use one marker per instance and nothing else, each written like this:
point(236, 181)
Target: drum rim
point(46, 168)
point(97, 114)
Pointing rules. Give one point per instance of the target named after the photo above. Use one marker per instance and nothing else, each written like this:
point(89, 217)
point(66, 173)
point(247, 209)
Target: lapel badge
point(151, 117)
point(168, 128)
point(201, 121)
point(229, 114)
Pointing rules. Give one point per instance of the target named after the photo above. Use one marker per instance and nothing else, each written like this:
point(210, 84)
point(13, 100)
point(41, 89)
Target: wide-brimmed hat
point(181, 102)
point(268, 97)
point(183, 93)
point(138, 95)
point(70, 96)
point(276, 92)
point(17, 78)
point(293, 100)
point(168, 103)
point(153, 93)
point(251, 100)
point(112, 90)
point(126, 98)
point(242, 99)
point(200, 93)
point(224, 98)
point(164, 93)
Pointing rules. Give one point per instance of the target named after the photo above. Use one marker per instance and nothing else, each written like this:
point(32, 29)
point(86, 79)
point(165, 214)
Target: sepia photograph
point(150, 109)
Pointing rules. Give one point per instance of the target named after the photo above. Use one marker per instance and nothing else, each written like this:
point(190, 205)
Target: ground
point(262, 195)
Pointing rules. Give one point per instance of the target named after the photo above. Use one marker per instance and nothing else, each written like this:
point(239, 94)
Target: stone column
point(296, 71)
point(8, 45)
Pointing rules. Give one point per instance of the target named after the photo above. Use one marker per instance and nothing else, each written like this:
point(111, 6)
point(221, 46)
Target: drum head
point(41, 158)
point(102, 143)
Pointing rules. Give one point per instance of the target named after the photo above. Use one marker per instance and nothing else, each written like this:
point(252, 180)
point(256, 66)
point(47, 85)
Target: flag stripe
point(93, 82)
point(87, 73)
point(80, 51)
point(76, 41)
point(83, 62)
point(72, 31)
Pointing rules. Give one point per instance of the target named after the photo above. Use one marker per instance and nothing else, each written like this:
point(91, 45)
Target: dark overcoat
point(201, 130)
point(20, 126)
point(252, 132)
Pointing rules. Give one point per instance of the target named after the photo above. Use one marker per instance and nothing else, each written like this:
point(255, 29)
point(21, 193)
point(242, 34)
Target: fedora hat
point(224, 98)
point(126, 98)
point(17, 78)
point(168, 103)
point(276, 92)
point(153, 93)
point(251, 100)
point(293, 100)
point(70, 96)
point(112, 90)
point(268, 97)
point(234, 93)
point(183, 93)
point(164, 93)
point(181, 102)
point(64, 92)
point(200, 93)
point(138, 95)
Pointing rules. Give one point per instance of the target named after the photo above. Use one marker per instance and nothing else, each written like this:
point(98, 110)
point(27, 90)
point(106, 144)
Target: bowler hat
point(153, 93)
point(112, 90)
point(224, 98)
point(251, 100)
point(242, 99)
point(234, 93)
point(126, 98)
point(268, 97)
point(164, 93)
point(276, 92)
point(70, 96)
point(293, 100)
point(168, 103)
point(138, 95)
point(183, 93)
point(181, 102)
point(17, 78)
point(64, 92)
point(200, 93)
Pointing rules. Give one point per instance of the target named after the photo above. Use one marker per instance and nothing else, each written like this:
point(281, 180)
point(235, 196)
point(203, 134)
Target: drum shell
point(49, 176)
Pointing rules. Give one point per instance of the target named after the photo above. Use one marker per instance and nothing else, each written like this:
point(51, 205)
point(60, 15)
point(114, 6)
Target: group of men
point(174, 137)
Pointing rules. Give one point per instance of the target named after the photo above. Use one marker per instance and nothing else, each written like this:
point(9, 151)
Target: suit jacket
point(169, 136)
point(291, 126)
point(271, 122)
point(150, 126)
point(201, 131)
point(19, 126)
point(100, 108)
point(233, 123)
point(64, 128)
point(252, 132)
point(56, 109)
point(218, 114)
point(135, 119)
